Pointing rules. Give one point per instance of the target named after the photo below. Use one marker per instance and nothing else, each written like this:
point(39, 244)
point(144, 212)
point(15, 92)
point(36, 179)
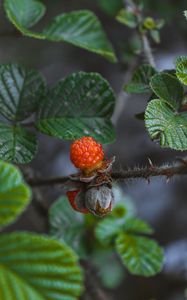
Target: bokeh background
point(162, 204)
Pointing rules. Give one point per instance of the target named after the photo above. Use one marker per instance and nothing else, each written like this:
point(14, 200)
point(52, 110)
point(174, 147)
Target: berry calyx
point(86, 154)
point(72, 200)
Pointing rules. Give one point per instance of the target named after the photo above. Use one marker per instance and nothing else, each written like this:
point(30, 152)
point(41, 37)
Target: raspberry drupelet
point(86, 154)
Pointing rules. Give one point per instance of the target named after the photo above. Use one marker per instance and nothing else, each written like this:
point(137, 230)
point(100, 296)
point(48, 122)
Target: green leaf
point(134, 225)
point(80, 105)
point(181, 69)
point(141, 255)
point(127, 18)
point(17, 145)
point(110, 7)
point(163, 123)
point(20, 91)
point(14, 194)
point(66, 224)
point(37, 267)
point(155, 34)
point(107, 230)
point(110, 274)
point(24, 13)
point(140, 80)
point(168, 88)
point(80, 28)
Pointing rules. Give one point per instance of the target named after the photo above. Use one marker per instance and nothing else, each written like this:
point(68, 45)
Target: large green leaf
point(181, 69)
point(83, 29)
point(37, 267)
point(20, 91)
point(168, 88)
point(14, 194)
point(66, 224)
point(17, 145)
point(165, 124)
point(80, 28)
point(141, 255)
point(140, 80)
point(80, 105)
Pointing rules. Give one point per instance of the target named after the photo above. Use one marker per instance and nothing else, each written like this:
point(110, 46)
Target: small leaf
point(181, 69)
point(80, 105)
point(168, 88)
point(20, 91)
point(134, 225)
point(66, 224)
point(107, 230)
point(37, 267)
point(17, 145)
point(155, 34)
point(14, 194)
point(185, 14)
point(140, 80)
point(80, 28)
point(163, 123)
point(127, 18)
point(141, 255)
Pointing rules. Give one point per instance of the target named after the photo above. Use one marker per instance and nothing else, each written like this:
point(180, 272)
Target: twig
point(143, 35)
point(177, 168)
point(147, 49)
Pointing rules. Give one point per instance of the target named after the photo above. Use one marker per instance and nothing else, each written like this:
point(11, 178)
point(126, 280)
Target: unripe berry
point(86, 154)
point(99, 200)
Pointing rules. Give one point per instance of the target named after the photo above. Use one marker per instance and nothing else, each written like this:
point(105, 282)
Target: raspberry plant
point(79, 108)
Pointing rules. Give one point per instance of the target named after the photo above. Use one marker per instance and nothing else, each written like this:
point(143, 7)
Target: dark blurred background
point(162, 204)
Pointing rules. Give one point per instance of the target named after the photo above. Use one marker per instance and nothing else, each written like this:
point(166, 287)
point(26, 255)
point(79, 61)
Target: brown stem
point(177, 168)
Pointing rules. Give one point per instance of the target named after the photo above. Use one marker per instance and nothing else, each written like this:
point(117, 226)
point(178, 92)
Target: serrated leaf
point(140, 80)
point(181, 69)
point(163, 123)
point(141, 255)
point(20, 91)
point(66, 224)
point(37, 267)
point(127, 18)
point(80, 105)
point(168, 88)
point(80, 28)
point(17, 144)
point(14, 194)
point(134, 225)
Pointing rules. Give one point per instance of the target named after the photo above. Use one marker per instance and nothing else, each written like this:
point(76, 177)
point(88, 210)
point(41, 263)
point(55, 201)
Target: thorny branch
point(177, 168)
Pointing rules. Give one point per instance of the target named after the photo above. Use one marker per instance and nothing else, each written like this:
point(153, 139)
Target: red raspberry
point(72, 200)
point(86, 153)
